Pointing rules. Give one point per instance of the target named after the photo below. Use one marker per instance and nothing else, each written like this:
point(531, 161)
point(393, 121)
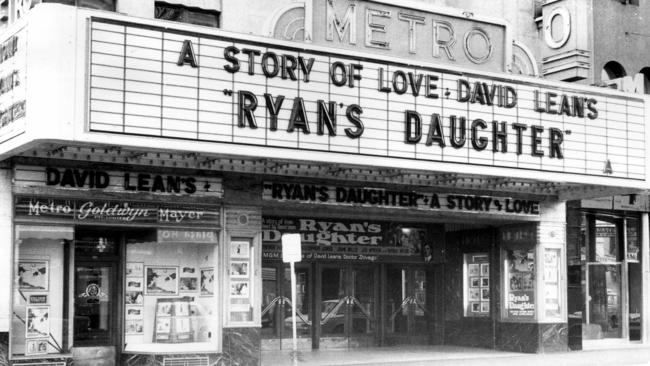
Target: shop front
point(605, 270)
point(105, 272)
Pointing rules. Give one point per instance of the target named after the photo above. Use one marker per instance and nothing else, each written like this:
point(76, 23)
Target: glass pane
point(303, 324)
point(632, 245)
point(605, 311)
point(606, 242)
point(333, 305)
point(170, 293)
point(552, 282)
point(398, 301)
point(519, 271)
point(38, 320)
point(419, 294)
point(363, 301)
point(93, 302)
point(270, 302)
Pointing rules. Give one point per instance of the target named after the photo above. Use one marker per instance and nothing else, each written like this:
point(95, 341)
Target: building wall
point(620, 34)
point(6, 241)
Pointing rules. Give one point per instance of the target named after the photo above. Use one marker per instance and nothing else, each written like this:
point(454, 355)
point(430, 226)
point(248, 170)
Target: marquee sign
point(13, 64)
point(118, 181)
point(379, 197)
point(161, 82)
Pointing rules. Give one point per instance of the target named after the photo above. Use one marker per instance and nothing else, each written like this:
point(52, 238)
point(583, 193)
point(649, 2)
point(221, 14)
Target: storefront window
point(170, 292)
point(40, 270)
point(607, 250)
point(477, 284)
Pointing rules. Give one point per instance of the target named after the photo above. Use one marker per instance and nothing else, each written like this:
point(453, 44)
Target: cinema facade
point(150, 169)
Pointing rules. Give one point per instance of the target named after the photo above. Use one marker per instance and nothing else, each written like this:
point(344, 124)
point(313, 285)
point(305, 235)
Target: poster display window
point(38, 315)
point(169, 296)
point(240, 280)
point(476, 269)
point(519, 282)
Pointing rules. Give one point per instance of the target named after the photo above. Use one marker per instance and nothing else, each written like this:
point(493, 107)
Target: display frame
point(207, 275)
point(40, 268)
point(476, 285)
point(240, 287)
point(558, 281)
point(37, 321)
point(520, 281)
point(151, 290)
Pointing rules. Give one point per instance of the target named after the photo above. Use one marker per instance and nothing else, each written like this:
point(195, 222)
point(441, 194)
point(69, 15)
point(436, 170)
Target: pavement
point(629, 355)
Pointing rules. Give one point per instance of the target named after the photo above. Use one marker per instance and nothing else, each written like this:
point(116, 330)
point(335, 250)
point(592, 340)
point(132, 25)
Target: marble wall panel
point(242, 346)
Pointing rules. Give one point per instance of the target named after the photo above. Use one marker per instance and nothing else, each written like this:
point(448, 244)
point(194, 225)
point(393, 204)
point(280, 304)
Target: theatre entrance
point(347, 297)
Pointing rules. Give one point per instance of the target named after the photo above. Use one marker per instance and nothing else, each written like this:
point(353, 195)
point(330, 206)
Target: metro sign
point(435, 35)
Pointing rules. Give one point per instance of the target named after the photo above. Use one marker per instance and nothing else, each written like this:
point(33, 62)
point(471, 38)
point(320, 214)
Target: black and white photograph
point(134, 312)
point(133, 298)
point(36, 346)
point(33, 275)
point(161, 280)
point(207, 281)
point(37, 322)
point(188, 284)
point(239, 289)
point(134, 269)
point(134, 284)
point(411, 181)
point(164, 308)
point(239, 249)
point(188, 271)
point(239, 269)
point(133, 327)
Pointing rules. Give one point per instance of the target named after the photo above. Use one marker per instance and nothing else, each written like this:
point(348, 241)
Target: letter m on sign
point(334, 23)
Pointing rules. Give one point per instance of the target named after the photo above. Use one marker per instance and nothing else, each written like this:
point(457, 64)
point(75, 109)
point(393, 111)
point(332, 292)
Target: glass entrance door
point(605, 306)
point(406, 311)
point(94, 304)
point(276, 307)
point(348, 308)
point(606, 314)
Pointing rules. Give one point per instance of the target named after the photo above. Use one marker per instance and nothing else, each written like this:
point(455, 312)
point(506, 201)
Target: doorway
point(605, 300)
point(96, 300)
point(407, 311)
point(347, 298)
point(276, 306)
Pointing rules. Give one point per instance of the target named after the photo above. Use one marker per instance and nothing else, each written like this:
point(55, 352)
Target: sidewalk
point(632, 355)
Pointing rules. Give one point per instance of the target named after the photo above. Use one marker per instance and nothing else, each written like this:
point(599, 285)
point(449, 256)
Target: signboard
point(13, 65)
point(425, 33)
point(124, 212)
point(208, 87)
point(291, 251)
point(187, 236)
point(379, 197)
point(118, 181)
point(349, 240)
